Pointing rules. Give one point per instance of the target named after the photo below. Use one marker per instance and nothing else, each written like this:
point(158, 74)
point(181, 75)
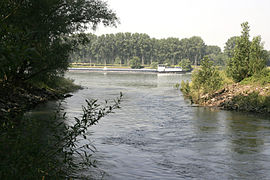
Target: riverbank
point(19, 98)
point(238, 97)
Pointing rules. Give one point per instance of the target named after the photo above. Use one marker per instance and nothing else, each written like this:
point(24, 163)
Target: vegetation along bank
point(243, 85)
point(35, 46)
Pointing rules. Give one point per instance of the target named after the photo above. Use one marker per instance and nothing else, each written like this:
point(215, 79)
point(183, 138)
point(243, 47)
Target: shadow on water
point(47, 146)
point(249, 145)
point(28, 151)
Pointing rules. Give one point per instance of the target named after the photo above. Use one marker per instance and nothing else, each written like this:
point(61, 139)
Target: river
point(158, 135)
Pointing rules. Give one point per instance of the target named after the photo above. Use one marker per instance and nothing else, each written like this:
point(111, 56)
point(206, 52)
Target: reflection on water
point(157, 134)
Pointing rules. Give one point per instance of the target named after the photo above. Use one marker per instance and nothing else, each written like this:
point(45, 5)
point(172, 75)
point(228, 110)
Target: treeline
point(121, 47)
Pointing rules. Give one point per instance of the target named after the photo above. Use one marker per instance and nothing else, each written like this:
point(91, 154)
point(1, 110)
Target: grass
point(260, 79)
point(57, 84)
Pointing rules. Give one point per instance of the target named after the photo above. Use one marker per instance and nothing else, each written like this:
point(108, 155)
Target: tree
point(268, 57)
point(248, 57)
point(33, 34)
point(135, 63)
point(238, 65)
point(185, 64)
point(117, 61)
point(229, 46)
point(257, 57)
point(212, 50)
point(127, 45)
point(154, 65)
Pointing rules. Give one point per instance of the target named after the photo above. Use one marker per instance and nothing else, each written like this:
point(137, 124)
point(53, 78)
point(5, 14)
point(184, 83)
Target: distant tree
point(117, 61)
point(154, 65)
point(135, 63)
point(212, 50)
point(185, 64)
point(219, 59)
point(168, 62)
point(127, 45)
point(229, 46)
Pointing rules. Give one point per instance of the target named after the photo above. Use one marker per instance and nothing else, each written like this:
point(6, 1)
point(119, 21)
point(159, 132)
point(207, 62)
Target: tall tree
point(248, 57)
point(238, 65)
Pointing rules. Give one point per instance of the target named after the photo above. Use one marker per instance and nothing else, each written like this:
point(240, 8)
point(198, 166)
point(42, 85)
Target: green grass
point(57, 84)
point(261, 79)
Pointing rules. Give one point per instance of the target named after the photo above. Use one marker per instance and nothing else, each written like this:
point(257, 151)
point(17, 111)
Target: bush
point(135, 63)
point(185, 88)
point(207, 79)
point(253, 102)
point(261, 78)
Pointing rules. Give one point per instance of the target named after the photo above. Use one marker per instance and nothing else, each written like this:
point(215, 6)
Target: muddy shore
point(15, 100)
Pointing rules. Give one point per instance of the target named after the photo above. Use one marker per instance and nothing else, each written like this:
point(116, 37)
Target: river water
point(159, 135)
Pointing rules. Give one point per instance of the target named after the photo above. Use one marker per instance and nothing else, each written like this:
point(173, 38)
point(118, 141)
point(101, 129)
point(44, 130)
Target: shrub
point(253, 102)
point(135, 63)
point(185, 88)
point(207, 79)
point(261, 78)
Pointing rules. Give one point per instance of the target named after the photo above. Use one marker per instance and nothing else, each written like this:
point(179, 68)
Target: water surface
point(157, 134)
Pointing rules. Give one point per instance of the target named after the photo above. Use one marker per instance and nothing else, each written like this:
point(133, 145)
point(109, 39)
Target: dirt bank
point(15, 100)
point(240, 97)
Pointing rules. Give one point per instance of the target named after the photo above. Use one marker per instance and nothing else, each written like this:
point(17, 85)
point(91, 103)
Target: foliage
point(185, 64)
point(127, 45)
point(50, 148)
point(257, 56)
point(185, 88)
point(252, 102)
point(207, 79)
point(154, 65)
point(248, 57)
point(229, 46)
point(56, 83)
point(168, 62)
point(219, 59)
point(135, 63)
point(268, 58)
point(33, 34)
point(262, 78)
point(117, 60)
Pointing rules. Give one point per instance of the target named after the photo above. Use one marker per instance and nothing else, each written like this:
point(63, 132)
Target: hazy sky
point(213, 20)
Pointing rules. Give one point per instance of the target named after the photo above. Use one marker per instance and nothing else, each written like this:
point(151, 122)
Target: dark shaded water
point(157, 134)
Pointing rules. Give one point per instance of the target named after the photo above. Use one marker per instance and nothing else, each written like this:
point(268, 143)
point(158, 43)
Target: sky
point(213, 20)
